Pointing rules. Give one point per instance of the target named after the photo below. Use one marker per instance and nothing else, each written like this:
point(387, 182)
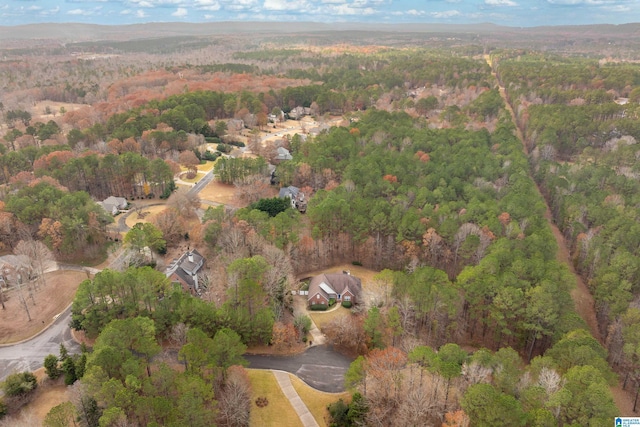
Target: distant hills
point(75, 32)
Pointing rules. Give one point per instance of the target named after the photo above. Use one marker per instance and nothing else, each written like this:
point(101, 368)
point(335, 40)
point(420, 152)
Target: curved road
point(321, 366)
point(29, 355)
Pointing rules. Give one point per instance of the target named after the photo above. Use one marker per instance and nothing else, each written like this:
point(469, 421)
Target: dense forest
point(425, 181)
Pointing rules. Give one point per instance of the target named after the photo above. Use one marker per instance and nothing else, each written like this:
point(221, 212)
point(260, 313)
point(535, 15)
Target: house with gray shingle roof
point(337, 286)
point(187, 271)
point(113, 205)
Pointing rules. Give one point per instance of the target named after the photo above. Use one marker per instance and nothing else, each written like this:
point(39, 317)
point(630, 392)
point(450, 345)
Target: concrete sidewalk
point(301, 409)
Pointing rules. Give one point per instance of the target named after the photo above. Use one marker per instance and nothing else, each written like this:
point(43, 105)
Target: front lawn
point(323, 318)
point(278, 412)
point(316, 400)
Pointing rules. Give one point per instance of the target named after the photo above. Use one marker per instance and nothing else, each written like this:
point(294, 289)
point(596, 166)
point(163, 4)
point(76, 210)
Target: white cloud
point(34, 8)
point(141, 13)
point(211, 5)
point(620, 8)
point(156, 3)
point(241, 5)
point(414, 12)
point(445, 14)
point(500, 3)
point(80, 12)
point(180, 12)
point(282, 5)
point(345, 9)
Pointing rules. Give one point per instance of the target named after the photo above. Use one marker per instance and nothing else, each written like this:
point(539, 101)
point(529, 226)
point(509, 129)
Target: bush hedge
point(346, 304)
point(318, 307)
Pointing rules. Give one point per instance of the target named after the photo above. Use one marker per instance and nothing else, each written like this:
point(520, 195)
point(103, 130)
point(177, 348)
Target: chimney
point(190, 256)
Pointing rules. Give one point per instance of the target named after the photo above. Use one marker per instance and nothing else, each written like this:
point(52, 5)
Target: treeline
point(585, 161)
point(68, 222)
point(128, 175)
point(54, 193)
point(569, 385)
point(392, 68)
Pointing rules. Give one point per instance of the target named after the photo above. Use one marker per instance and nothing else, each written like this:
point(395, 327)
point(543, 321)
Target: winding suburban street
point(29, 355)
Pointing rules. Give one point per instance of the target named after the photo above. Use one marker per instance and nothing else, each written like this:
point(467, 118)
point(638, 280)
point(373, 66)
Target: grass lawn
point(279, 412)
point(323, 318)
point(51, 300)
point(147, 212)
point(316, 400)
point(220, 193)
point(48, 394)
point(204, 167)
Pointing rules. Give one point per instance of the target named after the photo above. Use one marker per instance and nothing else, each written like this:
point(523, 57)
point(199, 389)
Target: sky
point(514, 13)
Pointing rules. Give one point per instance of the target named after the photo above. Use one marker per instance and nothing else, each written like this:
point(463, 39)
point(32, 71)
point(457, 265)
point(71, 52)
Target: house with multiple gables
point(298, 201)
point(337, 286)
point(283, 154)
point(187, 271)
point(113, 205)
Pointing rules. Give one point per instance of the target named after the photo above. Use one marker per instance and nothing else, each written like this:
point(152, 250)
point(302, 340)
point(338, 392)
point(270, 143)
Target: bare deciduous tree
point(234, 402)
point(38, 257)
point(178, 335)
point(185, 203)
point(23, 419)
point(252, 188)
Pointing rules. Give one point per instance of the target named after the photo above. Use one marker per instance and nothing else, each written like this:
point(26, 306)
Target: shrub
point(332, 301)
point(318, 307)
point(208, 155)
point(356, 263)
point(303, 324)
point(19, 384)
point(223, 148)
point(338, 413)
point(272, 206)
point(51, 366)
point(346, 304)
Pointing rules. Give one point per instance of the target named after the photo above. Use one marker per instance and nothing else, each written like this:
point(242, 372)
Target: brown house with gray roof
point(337, 286)
point(186, 271)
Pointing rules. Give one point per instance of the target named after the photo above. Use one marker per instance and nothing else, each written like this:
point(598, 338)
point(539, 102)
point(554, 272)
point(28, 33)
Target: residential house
point(283, 154)
point(334, 286)
point(298, 200)
point(113, 205)
point(187, 271)
point(235, 125)
point(299, 112)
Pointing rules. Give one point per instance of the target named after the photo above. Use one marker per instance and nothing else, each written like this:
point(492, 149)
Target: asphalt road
point(202, 183)
point(29, 355)
point(321, 367)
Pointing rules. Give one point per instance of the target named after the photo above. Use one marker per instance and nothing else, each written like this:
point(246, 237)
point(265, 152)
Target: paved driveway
point(321, 367)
